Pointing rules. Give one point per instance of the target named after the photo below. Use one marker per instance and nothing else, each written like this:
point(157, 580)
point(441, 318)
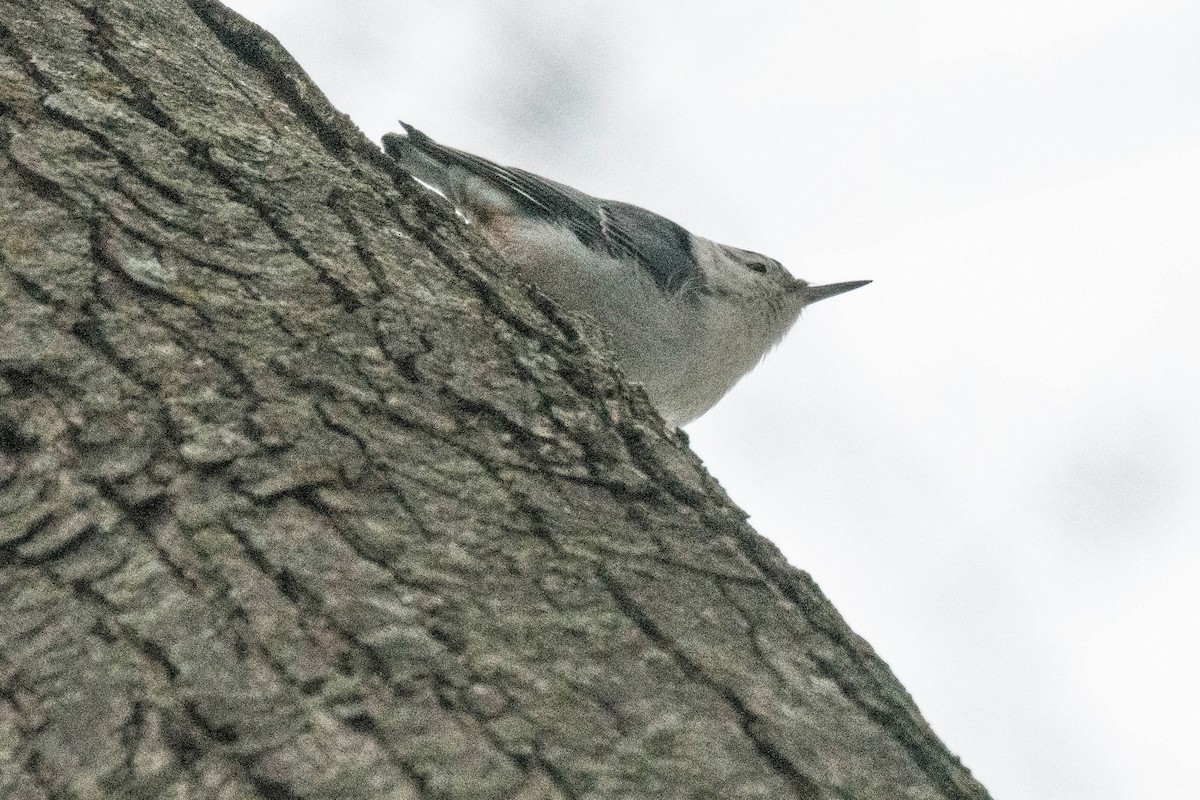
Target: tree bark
point(303, 496)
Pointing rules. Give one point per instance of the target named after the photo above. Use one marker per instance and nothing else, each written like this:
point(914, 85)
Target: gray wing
point(663, 248)
point(620, 230)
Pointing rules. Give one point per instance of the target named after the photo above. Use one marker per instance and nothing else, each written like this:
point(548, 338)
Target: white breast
point(686, 352)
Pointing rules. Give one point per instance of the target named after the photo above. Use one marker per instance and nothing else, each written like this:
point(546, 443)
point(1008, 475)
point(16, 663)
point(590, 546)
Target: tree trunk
point(301, 496)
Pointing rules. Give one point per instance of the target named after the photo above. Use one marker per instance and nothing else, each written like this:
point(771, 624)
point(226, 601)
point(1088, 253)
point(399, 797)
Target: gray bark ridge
point(301, 496)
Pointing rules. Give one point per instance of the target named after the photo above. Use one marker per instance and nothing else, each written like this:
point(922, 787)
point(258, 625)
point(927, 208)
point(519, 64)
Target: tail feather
point(479, 188)
point(419, 155)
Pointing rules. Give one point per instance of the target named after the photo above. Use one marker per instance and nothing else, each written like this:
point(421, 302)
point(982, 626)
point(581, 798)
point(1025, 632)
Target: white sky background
point(989, 458)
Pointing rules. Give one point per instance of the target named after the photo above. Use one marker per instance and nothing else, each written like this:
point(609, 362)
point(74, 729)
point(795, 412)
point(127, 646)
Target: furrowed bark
point(303, 496)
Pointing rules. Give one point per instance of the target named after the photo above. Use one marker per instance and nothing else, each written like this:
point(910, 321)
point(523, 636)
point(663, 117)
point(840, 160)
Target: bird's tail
point(477, 187)
point(421, 157)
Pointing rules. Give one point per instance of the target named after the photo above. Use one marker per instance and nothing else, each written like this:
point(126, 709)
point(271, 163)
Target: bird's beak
point(812, 294)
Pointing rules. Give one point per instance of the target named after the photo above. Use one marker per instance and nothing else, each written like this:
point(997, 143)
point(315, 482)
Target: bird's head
point(761, 286)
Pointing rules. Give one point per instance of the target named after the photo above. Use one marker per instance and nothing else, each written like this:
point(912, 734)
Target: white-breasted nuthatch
point(687, 317)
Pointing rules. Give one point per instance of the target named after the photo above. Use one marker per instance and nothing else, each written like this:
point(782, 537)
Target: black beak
point(814, 293)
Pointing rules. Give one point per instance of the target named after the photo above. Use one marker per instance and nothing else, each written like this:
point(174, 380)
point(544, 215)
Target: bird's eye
point(758, 267)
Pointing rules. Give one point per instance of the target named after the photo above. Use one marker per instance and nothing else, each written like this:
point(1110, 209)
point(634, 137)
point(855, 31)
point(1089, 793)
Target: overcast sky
point(989, 458)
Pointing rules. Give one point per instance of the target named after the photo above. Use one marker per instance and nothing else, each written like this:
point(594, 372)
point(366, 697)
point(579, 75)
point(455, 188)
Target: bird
point(686, 317)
